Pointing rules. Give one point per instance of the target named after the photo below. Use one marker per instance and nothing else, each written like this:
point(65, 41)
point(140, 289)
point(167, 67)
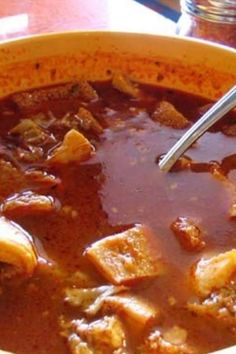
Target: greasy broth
point(121, 185)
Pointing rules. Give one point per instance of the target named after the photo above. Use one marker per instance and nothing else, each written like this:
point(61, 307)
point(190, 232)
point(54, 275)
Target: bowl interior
point(185, 64)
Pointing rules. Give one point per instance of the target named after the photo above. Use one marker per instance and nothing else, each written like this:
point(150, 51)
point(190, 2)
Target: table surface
point(26, 17)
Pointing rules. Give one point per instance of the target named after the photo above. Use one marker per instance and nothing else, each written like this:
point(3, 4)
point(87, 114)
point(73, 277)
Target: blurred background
point(169, 8)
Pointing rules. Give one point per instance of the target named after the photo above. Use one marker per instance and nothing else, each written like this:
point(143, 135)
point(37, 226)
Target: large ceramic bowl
point(192, 66)
point(185, 64)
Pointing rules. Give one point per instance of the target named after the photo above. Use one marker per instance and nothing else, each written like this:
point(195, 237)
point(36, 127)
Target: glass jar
point(213, 20)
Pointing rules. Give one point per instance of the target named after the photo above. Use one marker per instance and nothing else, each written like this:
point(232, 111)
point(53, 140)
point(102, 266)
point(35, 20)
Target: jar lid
point(223, 11)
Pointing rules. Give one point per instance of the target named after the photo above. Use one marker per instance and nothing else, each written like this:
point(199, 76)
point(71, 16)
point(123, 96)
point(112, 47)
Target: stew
point(100, 251)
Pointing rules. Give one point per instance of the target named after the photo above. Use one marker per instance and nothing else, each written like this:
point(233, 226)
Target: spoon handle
point(215, 113)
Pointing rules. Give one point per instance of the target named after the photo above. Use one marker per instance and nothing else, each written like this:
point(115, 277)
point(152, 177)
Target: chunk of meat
point(219, 305)
point(104, 336)
point(213, 273)
point(166, 114)
point(91, 300)
point(87, 91)
point(31, 133)
point(42, 178)
point(229, 129)
point(232, 211)
point(183, 163)
point(132, 309)
point(74, 148)
point(69, 211)
point(188, 234)
point(31, 99)
point(156, 344)
point(217, 173)
point(186, 163)
point(77, 346)
point(11, 179)
point(44, 120)
point(28, 203)
point(68, 121)
point(26, 100)
point(228, 164)
point(88, 122)
point(203, 109)
point(29, 155)
point(176, 335)
point(127, 257)
point(82, 279)
point(16, 248)
point(124, 85)
point(83, 119)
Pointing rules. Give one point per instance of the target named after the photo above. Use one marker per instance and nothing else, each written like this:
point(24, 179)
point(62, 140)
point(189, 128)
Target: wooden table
point(26, 17)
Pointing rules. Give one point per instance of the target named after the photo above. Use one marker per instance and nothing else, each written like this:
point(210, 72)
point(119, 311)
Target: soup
point(100, 251)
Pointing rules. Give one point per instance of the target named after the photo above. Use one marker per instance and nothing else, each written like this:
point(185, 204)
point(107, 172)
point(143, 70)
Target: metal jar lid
point(223, 11)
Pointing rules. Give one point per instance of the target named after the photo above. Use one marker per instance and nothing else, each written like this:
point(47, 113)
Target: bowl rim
point(112, 33)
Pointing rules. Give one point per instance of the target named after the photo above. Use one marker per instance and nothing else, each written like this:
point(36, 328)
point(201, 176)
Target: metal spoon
point(215, 113)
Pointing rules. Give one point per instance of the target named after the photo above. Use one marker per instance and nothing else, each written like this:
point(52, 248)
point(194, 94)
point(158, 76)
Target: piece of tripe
point(213, 273)
point(74, 148)
point(132, 308)
point(128, 256)
point(16, 248)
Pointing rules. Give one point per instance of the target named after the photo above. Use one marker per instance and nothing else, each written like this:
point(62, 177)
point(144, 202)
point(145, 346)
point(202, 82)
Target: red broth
point(120, 186)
